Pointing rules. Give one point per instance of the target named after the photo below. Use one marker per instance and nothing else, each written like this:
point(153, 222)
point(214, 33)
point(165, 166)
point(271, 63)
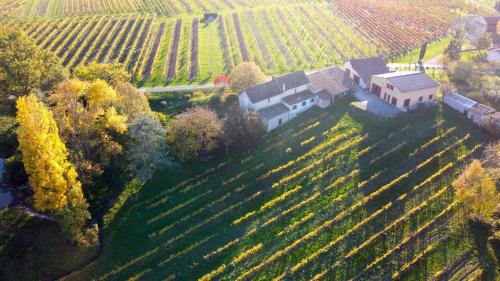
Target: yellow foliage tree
point(476, 191)
point(52, 177)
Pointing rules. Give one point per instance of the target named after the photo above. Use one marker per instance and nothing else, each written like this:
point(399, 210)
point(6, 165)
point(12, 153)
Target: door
point(376, 89)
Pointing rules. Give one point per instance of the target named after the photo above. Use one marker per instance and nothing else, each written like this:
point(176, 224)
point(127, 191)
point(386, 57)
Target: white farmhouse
point(362, 70)
point(280, 99)
point(406, 89)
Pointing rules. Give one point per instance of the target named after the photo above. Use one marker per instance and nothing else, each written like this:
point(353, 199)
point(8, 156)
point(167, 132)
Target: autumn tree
point(245, 75)
point(195, 132)
point(146, 150)
point(457, 41)
point(51, 176)
point(476, 191)
point(113, 74)
point(24, 66)
point(90, 125)
point(132, 103)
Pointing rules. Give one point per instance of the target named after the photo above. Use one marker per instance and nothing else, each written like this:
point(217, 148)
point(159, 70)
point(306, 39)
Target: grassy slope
point(433, 49)
point(135, 248)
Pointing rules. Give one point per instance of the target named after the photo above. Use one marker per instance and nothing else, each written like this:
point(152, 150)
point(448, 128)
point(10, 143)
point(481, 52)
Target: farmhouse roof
point(366, 67)
point(298, 97)
point(408, 81)
point(276, 86)
point(334, 80)
point(492, 20)
point(273, 111)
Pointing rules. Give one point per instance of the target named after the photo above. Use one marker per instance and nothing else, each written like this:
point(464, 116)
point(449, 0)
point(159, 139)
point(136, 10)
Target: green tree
point(483, 41)
point(193, 133)
point(113, 74)
point(25, 67)
point(242, 129)
point(146, 150)
point(51, 176)
point(245, 75)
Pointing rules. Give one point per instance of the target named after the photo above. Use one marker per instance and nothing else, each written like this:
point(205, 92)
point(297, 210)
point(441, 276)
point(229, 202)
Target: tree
point(24, 66)
point(90, 126)
point(245, 75)
point(195, 132)
point(476, 191)
point(491, 160)
point(242, 129)
point(132, 102)
point(457, 41)
point(146, 148)
point(113, 74)
point(51, 176)
point(483, 41)
point(490, 124)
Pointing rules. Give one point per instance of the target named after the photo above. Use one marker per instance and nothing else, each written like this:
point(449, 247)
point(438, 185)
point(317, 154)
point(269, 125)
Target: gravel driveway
point(375, 105)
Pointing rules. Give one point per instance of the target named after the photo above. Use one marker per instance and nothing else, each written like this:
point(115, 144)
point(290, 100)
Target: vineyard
point(341, 197)
point(166, 47)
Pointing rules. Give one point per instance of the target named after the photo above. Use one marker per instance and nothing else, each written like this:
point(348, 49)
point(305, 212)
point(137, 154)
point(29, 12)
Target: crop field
point(336, 194)
point(159, 47)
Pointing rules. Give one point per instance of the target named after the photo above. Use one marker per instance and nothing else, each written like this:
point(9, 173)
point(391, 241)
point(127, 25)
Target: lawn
point(334, 194)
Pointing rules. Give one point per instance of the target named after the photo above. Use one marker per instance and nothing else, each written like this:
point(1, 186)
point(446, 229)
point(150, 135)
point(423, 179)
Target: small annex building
point(404, 90)
point(330, 84)
point(280, 99)
point(473, 110)
point(361, 70)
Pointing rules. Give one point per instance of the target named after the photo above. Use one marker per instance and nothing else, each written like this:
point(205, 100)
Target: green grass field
point(335, 194)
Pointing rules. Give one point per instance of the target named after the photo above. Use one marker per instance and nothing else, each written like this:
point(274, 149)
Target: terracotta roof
point(273, 111)
point(298, 97)
point(366, 67)
point(408, 81)
point(334, 80)
point(276, 86)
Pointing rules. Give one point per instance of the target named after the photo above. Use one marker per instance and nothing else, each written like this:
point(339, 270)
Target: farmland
point(335, 194)
point(166, 42)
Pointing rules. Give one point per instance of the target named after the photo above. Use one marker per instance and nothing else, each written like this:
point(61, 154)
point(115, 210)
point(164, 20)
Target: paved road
point(177, 88)
point(403, 66)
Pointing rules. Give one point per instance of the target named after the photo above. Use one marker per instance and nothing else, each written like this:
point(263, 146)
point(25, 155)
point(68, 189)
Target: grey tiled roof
point(324, 95)
point(334, 80)
point(273, 111)
point(298, 97)
point(366, 67)
point(408, 81)
point(276, 85)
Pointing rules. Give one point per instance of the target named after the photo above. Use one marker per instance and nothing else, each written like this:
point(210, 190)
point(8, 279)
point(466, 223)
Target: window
point(304, 103)
point(430, 97)
point(390, 87)
point(420, 99)
point(280, 122)
point(385, 96)
point(407, 102)
point(312, 100)
point(394, 101)
point(294, 107)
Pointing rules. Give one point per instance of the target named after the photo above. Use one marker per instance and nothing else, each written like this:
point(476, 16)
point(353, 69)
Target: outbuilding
point(458, 102)
point(404, 90)
point(330, 84)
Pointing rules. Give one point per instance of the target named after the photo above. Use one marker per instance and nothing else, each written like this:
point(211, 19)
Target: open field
point(334, 194)
point(162, 48)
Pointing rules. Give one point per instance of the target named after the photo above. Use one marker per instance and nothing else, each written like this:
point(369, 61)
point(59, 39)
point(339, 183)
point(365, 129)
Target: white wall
point(277, 99)
point(274, 122)
point(362, 84)
point(300, 108)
